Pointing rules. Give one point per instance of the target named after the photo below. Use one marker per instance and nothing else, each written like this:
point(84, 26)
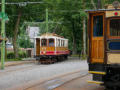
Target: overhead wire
point(28, 2)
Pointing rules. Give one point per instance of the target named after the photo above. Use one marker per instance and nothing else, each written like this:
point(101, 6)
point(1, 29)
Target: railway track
point(17, 69)
point(58, 81)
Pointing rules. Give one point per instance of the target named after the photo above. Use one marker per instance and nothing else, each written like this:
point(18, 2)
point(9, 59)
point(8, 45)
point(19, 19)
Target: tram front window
point(98, 26)
point(44, 42)
point(115, 27)
point(51, 42)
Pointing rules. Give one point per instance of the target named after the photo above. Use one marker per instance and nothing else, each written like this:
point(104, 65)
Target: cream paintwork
point(111, 13)
point(113, 58)
point(53, 36)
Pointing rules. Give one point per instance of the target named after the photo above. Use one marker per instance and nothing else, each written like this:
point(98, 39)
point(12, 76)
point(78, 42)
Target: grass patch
point(82, 57)
point(75, 55)
point(19, 59)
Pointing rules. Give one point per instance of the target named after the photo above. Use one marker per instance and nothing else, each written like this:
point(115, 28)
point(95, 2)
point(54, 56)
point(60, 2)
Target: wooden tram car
point(51, 48)
point(104, 46)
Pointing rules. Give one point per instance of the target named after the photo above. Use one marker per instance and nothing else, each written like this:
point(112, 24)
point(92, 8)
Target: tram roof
point(102, 10)
point(50, 35)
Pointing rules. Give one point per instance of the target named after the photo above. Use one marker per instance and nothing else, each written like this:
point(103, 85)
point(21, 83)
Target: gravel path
point(35, 72)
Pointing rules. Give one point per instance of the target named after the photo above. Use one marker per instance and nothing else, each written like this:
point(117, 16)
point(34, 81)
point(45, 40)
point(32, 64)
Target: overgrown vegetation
point(65, 18)
point(11, 55)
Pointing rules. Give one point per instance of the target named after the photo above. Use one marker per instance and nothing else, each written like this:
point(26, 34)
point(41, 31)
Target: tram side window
point(51, 42)
point(59, 42)
point(44, 42)
point(63, 43)
point(115, 27)
point(98, 26)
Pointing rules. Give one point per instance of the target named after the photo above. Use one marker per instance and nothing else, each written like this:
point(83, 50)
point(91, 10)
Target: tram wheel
point(112, 88)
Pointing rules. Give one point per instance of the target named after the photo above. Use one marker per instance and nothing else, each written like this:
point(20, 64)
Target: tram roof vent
point(114, 5)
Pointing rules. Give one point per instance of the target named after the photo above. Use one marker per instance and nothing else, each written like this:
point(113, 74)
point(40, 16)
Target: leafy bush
point(22, 54)
point(11, 55)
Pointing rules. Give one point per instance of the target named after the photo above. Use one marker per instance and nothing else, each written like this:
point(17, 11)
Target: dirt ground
point(80, 84)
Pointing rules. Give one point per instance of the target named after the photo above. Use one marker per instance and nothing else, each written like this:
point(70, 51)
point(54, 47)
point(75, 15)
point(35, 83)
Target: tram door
point(37, 46)
point(97, 38)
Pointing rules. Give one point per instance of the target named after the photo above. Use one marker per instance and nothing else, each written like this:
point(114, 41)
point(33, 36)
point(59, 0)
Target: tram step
point(97, 72)
point(96, 82)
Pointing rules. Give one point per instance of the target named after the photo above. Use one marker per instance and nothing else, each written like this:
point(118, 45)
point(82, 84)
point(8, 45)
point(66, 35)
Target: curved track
point(58, 81)
point(23, 67)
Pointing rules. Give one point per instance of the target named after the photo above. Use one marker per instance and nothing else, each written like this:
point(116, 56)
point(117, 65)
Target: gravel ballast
point(10, 78)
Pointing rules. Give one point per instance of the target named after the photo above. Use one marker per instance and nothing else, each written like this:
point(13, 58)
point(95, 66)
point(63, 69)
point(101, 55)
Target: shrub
point(22, 54)
point(11, 55)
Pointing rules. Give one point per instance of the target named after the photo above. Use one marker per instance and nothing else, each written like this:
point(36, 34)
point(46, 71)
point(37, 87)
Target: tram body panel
point(97, 39)
point(104, 46)
point(51, 46)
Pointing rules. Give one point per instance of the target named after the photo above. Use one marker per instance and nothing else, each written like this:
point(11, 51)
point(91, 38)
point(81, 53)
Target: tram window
point(59, 42)
point(51, 42)
point(44, 42)
point(63, 43)
point(98, 26)
point(115, 27)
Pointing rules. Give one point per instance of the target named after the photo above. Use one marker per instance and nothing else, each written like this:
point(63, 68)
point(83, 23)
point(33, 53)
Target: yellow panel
point(61, 48)
point(113, 58)
point(47, 48)
point(97, 72)
point(37, 46)
point(94, 49)
point(97, 60)
point(96, 82)
point(100, 49)
point(111, 13)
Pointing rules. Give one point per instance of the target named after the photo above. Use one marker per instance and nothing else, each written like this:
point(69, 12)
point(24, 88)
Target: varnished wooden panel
point(100, 49)
point(97, 43)
point(47, 48)
point(97, 50)
point(37, 46)
point(94, 49)
point(61, 48)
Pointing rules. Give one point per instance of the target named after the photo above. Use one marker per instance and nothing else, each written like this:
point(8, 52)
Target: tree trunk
point(74, 45)
point(102, 3)
point(84, 37)
point(84, 31)
point(99, 4)
point(93, 4)
point(16, 35)
point(74, 41)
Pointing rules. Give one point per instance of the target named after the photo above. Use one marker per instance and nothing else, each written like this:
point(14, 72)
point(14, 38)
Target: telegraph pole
point(46, 20)
point(3, 34)
point(84, 33)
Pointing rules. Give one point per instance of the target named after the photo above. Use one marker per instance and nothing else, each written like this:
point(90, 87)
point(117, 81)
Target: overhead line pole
point(46, 20)
point(3, 34)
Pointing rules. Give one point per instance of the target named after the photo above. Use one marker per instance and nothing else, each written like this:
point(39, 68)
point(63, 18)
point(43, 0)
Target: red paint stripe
point(53, 53)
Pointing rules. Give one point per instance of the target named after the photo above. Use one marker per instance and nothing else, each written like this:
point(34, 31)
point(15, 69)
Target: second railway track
point(58, 81)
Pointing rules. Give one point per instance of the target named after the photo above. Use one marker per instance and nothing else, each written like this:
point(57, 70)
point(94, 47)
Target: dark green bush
point(22, 54)
point(11, 55)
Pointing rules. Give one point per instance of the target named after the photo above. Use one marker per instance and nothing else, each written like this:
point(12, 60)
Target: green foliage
point(25, 43)
point(65, 19)
point(22, 54)
point(11, 55)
